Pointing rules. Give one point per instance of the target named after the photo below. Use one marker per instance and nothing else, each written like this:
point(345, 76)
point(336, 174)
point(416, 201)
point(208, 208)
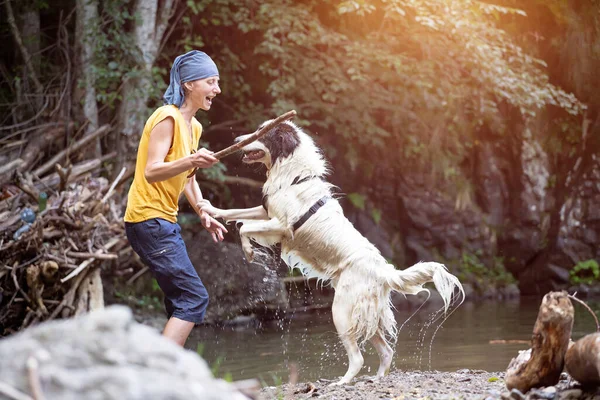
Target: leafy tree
point(373, 73)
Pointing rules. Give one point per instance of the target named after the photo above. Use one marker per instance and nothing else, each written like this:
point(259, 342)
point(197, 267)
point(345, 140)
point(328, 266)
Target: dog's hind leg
point(385, 353)
point(342, 319)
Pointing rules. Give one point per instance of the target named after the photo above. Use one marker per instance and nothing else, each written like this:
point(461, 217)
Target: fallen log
point(71, 149)
point(53, 180)
point(582, 361)
point(543, 363)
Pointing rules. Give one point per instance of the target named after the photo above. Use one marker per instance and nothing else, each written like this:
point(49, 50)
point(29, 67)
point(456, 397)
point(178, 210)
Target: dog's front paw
point(208, 208)
point(248, 252)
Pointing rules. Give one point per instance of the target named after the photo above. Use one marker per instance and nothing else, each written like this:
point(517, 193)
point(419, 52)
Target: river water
point(309, 344)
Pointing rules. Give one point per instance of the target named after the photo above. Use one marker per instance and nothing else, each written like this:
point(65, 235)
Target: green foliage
point(135, 300)
point(586, 272)
point(116, 57)
point(423, 78)
point(216, 365)
point(376, 215)
point(472, 268)
point(357, 200)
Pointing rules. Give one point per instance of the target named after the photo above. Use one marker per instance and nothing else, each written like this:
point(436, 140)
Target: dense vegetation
point(390, 87)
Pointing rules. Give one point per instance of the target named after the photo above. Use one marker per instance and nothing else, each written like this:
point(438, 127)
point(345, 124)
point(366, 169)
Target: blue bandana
point(188, 67)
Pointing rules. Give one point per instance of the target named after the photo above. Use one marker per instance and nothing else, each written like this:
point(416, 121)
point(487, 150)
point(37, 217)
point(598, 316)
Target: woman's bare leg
point(178, 330)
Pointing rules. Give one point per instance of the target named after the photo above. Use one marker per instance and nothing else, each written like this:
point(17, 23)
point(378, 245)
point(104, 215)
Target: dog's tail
point(411, 281)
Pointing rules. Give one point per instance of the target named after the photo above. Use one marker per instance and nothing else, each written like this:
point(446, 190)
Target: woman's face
point(203, 91)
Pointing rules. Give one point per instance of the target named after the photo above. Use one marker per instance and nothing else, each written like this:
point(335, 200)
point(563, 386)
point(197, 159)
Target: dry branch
point(54, 180)
point(71, 149)
point(11, 166)
point(256, 135)
point(90, 260)
point(81, 222)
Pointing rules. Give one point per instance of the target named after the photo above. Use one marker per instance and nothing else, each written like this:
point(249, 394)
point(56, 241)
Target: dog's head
point(279, 142)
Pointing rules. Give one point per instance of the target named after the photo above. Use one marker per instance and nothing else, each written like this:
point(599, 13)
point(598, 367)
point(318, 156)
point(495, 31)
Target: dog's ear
point(285, 141)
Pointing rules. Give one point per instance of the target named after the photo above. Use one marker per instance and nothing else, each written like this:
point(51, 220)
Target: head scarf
point(188, 67)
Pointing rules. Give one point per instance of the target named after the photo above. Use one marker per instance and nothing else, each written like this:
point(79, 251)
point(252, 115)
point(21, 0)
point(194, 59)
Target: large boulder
point(106, 355)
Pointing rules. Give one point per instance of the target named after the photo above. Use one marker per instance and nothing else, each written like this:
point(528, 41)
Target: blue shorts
point(159, 244)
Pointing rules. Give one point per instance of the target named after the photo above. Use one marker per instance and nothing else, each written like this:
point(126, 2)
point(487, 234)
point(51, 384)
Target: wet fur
point(329, 247)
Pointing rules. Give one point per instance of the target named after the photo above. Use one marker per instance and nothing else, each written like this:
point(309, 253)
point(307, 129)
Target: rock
point(570, 394)
point(107, 355)
point(511, 291)
point(469, 291)
point(547, 393)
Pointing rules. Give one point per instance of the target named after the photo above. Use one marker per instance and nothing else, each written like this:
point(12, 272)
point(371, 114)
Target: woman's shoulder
point(165, 111)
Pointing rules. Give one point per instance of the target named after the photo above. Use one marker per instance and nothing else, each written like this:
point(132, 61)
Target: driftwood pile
point(58, 227)
point(552, 349)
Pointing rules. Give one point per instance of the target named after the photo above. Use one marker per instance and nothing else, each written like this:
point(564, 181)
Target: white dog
point(300, 212)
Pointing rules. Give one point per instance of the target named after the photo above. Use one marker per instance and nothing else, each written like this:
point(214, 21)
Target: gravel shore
point(416, 385)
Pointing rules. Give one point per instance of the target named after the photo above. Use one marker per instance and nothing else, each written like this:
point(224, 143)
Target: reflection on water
point(310, 342)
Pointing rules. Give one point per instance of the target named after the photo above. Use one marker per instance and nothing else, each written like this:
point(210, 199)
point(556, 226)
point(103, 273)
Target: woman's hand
point(204, 205)
point(203, 158)
point(216, 229)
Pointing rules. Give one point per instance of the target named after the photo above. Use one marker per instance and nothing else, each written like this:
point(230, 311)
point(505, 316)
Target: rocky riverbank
point(415, 385)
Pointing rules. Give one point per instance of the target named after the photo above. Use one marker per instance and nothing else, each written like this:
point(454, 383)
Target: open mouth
point(209, 100)
point(250, 156)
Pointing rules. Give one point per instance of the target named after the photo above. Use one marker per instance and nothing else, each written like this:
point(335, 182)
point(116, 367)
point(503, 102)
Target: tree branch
point(74, 147)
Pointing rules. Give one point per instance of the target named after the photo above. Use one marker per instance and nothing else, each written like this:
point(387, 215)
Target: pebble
point(514, 394)
point(570, 394)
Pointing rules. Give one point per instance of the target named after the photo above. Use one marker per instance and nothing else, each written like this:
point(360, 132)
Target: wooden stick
point(34, 378)
point(137, 275)
point(96, 255)
point(572, 297)
point(11, 166)
point(114, 184)
point(256, 135)
point(87, 262)
point(12, 393)
point(68, 298)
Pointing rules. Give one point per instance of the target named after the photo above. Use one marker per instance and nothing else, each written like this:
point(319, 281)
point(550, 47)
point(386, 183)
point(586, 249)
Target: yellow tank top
point(160, 199)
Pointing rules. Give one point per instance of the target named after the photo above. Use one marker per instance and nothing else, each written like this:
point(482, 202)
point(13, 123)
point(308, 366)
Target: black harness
point(311, 211)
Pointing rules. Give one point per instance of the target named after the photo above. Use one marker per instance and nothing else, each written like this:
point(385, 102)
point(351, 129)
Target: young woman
point(166, 159)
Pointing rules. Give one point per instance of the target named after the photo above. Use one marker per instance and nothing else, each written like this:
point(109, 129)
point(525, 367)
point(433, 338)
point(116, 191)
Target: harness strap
point(296, 181)
point(311, 211)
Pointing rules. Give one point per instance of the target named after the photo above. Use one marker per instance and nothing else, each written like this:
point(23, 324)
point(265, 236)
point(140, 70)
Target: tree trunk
point(30, 31)
point(583, 360)
point(29, 25)
point(86, 28)
point(148, 32)
point(544, 362)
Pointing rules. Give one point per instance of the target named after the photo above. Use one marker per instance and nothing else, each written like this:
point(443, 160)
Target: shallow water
point(309, 343)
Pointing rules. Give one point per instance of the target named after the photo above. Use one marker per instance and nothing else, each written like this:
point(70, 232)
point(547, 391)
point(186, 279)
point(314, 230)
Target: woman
point(167, 154)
